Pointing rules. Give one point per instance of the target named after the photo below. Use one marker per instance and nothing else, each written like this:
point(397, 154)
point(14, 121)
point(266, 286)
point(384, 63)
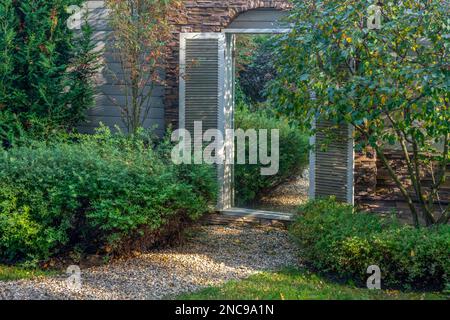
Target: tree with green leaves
point(390, 83)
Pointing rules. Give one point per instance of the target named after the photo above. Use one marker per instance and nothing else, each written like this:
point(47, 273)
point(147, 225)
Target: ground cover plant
point(299, 284)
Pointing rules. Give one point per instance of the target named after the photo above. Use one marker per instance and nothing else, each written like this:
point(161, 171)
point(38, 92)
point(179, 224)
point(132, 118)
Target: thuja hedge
point(336, 238)
point(46, 69)
point(94, 194)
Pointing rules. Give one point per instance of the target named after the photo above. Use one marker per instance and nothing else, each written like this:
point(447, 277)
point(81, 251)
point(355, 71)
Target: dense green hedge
point(294, 146)
point(92, 195)
point(335, 238)
point(46, 70)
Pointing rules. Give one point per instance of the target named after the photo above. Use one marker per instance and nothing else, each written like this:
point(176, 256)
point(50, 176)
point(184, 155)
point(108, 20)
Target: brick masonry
point(386, 187)
point(366, 171)
point(373, 183)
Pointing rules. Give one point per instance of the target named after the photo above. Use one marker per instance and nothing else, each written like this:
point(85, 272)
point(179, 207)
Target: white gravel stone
point(212, 256)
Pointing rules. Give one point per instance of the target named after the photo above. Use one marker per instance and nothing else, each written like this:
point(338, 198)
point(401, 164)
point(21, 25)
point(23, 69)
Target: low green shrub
point(294, 149)
point(93, 195)
point(335, 238)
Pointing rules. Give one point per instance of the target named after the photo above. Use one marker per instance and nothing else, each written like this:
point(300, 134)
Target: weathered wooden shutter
point(202, 59)
point(332, 162)
point(201, 82)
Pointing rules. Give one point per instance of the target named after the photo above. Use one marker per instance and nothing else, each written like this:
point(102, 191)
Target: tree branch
point(380, 153)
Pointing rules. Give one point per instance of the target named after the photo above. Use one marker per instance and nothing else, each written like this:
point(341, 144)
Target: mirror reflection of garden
point(255, 73)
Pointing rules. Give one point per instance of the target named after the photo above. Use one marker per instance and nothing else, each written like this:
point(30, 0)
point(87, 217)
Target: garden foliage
point(335, 238)
point(93, 195)
point(255, 65)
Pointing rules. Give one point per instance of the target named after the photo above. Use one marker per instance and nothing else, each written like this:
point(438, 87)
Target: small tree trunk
point(400, 186)
point(414, 173)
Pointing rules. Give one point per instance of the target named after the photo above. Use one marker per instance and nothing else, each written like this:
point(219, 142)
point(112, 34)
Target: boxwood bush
point(294, 149)
point(93, 195)
point(335, 238)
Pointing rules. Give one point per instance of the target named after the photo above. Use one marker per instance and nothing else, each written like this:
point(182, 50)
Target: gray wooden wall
point(264, 18)
point(109, 92)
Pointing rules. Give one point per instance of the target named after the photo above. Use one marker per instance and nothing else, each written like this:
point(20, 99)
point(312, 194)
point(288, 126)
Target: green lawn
point(8, 273)
point(294, 284)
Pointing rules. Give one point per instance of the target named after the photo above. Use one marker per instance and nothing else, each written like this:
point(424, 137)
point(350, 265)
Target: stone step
point(258, 214)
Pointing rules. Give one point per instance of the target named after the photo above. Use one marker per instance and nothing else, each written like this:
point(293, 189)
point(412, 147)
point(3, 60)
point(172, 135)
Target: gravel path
point(211, 256)
point(288, 196)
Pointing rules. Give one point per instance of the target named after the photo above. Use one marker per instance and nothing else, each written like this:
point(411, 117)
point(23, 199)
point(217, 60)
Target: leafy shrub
point(335, 238)
point(294, 146)
point(93, 195)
